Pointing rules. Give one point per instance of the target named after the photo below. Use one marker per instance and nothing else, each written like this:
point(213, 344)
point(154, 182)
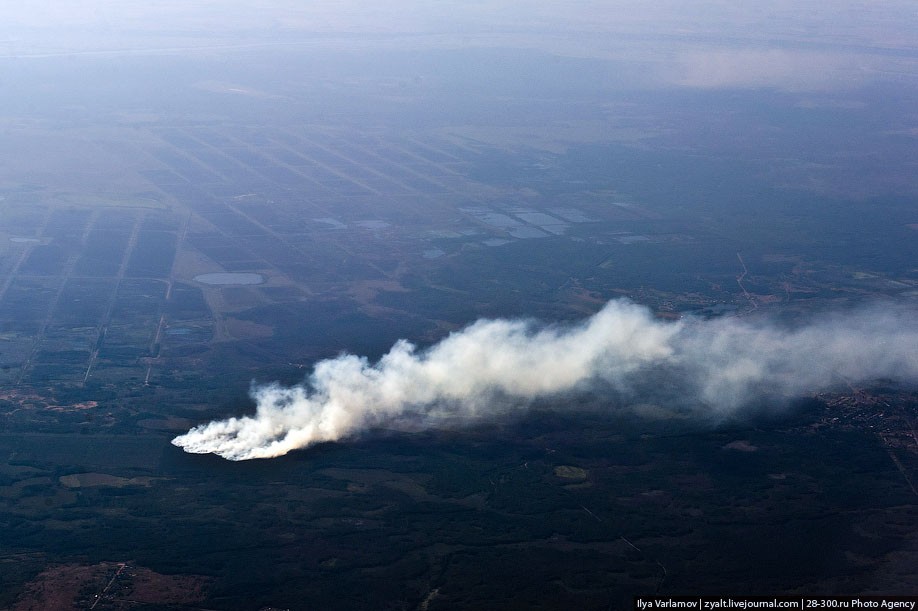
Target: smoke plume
point(717, 366)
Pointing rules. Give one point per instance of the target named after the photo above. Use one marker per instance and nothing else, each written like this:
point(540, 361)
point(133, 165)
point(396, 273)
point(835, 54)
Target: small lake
point(227, 278)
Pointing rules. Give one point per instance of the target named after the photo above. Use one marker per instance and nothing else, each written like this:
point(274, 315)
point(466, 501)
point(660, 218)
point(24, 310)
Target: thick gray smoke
point(716, 365)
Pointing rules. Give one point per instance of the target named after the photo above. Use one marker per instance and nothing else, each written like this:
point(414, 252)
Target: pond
point(228, 278)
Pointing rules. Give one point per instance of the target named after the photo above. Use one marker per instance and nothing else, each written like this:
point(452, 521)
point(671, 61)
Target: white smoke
point(716, 365)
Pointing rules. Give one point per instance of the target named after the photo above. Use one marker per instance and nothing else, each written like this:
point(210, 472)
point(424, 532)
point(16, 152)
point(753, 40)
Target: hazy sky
point(785, 44)
point(891, 23)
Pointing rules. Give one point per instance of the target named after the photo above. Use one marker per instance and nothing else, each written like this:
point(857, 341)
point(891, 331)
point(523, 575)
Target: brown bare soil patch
point(119, 585)
point(88, 480)
point(31, 400)
point(365, 291)
point(244, 329)
point(741, 445)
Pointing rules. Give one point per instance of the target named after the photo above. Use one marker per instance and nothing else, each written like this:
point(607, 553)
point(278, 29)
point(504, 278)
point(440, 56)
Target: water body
point(226, 278)
point(334, 223)
point(526, 232)
point(572, 214)
point(372, 225)
point(433, 253)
